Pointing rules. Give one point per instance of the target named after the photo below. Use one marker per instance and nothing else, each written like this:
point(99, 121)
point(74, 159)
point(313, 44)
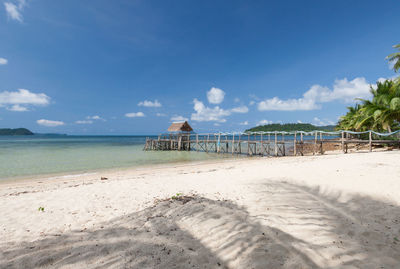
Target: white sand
point(332, 211)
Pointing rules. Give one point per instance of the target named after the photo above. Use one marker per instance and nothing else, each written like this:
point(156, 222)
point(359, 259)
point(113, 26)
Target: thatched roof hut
point(180, 127)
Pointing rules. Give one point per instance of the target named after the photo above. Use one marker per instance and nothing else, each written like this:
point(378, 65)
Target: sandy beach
point(330, 211)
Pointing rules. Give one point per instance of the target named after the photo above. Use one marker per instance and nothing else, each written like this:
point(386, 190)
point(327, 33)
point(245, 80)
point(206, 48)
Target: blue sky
point(132, 67)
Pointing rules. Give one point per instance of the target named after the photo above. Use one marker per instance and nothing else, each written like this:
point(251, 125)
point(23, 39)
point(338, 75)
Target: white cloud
point(299, 121)
point(147, 103)
point(204, 113)
point(14, 11)
point(236, 100)
point(240, 109)
point(215, 96)
point(343, 90)
point(177, 118)
point(319, 122)
point(244, 123)
point(22, 97)
point(17, 108)
point(264, 122)
point(95, 117)
point(287, 105)
point(84, 122)
point(161, 115)
point(251, 103)
point(50, 123)
point(134, 115)
point(3, 61)
point(217, 124)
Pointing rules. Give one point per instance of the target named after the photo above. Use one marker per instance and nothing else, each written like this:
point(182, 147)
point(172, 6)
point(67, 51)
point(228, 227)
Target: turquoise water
point(22, 156)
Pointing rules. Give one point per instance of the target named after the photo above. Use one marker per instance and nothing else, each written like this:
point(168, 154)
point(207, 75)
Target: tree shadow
point(287, 226)
point(198, 233)
point(344, 229)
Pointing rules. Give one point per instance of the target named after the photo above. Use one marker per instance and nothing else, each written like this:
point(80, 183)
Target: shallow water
point(50, 154)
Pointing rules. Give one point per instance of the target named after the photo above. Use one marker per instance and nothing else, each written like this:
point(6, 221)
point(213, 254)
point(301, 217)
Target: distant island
point(17, 131)
point(289, 127)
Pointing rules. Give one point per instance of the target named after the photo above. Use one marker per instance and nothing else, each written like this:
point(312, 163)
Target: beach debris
point(41, 209)
point(182, 198)
point(103, 178)
point(176, 196)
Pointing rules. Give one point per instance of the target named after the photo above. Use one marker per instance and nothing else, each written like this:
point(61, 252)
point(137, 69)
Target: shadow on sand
point(357, 232)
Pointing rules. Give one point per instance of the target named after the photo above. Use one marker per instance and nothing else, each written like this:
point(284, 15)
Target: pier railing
point(277, 143)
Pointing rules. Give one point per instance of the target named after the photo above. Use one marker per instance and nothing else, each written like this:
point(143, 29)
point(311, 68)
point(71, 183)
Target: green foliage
point(41, 209)
point(395, 58)
point(176, 196)
point(18, 131)
point(382, 113)
point(289, 127)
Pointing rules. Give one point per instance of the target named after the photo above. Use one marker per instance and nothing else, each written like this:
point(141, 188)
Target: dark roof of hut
point(180, 127)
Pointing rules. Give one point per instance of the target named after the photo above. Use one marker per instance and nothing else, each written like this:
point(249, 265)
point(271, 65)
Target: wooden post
point(240, 146)
point(276, 144)
point(248, 144)
point(343, 141)
point(302, 144)
point(219, 143)
point(262, 145)
point(233, 143)
point(255, 144)
point(215, 143)
point(315, 143)
point(179, 142)
point(197, 142)
point(295, 144)
point(370, 141)
point(283, 145)
point(208, 138)
point(227, 144)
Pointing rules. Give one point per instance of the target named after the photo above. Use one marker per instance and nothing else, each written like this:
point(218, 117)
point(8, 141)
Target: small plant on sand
point(176, 196)
point(41, 209)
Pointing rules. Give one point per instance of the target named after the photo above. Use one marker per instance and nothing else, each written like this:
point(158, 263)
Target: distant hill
point(289, 127)
point(17, 131)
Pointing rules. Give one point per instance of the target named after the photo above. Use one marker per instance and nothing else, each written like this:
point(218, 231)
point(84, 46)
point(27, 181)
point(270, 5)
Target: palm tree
point(380, 113)
point(395, 58)
point(350, 120)
point(383, 111)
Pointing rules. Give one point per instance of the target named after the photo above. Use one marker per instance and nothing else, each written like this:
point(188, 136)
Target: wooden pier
point(268, 143)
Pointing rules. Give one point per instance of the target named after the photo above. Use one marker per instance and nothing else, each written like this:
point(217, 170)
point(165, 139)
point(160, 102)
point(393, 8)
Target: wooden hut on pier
point(180, 131)
point(177, 138)
point(180, 127)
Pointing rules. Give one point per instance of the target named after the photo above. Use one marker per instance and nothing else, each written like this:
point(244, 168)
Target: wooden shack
point(177, 138)
point(180, 132)
point(180, 127)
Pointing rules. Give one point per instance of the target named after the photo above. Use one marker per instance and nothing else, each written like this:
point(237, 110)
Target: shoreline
point(82, 175)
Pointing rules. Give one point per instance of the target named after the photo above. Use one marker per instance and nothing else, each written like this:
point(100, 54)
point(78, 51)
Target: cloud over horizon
point(134, 115)
point(147, 103)
point(18, 100)
point(50, 123)
point(204, 113)
point(178, 118)
point(343, 90)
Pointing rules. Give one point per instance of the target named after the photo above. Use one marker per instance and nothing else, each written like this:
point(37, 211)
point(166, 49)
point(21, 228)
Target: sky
point(128, 67)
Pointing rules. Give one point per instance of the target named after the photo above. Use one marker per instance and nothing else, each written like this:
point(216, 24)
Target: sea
point(25, 156)
point(54, 155)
